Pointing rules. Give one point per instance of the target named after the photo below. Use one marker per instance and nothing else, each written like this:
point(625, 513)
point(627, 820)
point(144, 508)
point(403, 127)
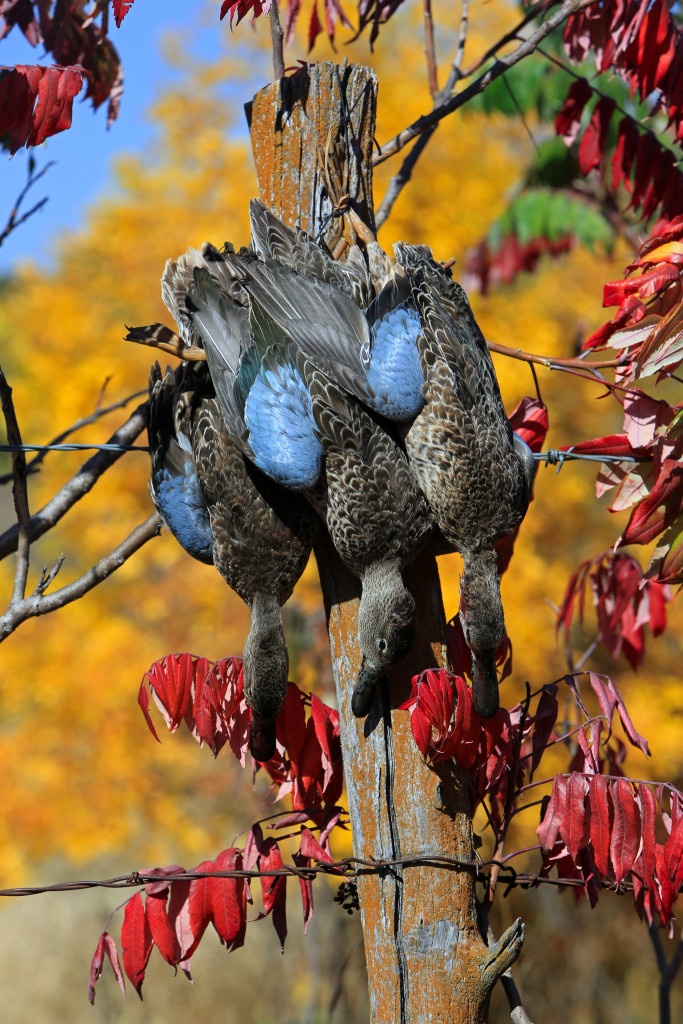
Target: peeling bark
point(425, 955)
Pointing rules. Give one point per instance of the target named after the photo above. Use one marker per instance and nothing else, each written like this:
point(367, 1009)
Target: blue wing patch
point(394, 373)
point(282, 435)
point(181, 503)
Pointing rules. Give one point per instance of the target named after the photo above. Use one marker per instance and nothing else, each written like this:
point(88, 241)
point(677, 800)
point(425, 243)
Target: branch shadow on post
point(425, 955)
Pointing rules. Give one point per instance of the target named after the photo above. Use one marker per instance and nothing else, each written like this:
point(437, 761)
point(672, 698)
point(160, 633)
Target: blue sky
point(84, 153)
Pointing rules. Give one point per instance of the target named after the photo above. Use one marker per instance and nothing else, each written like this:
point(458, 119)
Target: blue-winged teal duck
point(224, 510)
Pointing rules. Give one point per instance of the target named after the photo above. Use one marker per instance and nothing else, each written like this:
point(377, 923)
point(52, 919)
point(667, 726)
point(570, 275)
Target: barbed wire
point(348, 867)
point(552, 457)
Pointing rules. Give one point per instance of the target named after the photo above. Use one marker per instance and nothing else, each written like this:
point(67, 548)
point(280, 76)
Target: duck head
point(386, 628)
point(266, 671)
point(483, 625)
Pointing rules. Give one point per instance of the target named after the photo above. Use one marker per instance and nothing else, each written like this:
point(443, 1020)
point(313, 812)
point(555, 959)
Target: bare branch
point(430, 49)
point(14, 219)
point(276, 35)
point(456, 67)
point(667, 972)
point(19, 492)
point(79, 484)
point(501, 65)
point(86, 421)
point(39, 604)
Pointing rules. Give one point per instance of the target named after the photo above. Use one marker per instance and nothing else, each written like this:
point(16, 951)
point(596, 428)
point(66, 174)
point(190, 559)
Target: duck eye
point(382, 644)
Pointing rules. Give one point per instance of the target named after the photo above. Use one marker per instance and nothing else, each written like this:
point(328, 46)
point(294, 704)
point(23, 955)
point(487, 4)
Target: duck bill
point(364, 690)
point(484, 686)
point(262, 740)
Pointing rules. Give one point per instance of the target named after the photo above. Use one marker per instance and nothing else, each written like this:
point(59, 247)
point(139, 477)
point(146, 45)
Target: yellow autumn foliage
point(82, 777)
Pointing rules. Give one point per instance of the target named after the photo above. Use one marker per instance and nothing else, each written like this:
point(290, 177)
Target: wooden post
point(425, 956)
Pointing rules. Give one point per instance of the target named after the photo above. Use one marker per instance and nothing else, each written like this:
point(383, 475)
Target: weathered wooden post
point(425, 956)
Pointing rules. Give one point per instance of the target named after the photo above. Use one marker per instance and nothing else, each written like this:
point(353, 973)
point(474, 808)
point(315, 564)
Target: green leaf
point(551, 214)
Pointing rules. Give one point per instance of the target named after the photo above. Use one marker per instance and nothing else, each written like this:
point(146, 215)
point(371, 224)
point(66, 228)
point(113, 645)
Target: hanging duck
point(223, 510)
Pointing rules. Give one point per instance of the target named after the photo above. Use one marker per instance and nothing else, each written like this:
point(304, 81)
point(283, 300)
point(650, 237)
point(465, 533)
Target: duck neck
point(266, 613)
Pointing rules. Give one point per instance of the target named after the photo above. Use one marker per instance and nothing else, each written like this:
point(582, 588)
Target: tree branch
point(79, 484)
point(501, 65)
point(19, 492)
point(14, 220)
point(39, 604)
point(430, 50)
point(277, 36)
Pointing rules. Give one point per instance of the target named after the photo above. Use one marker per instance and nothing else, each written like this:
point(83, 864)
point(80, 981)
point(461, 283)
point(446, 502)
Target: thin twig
point(456, 67)
point(19, 492)
point(501, 65)
point(39, 604)
point(14, 220)
point(552, 363)
point(277, 39)
point(430, 50)
point(667, 971)
point(79, 484)
point(32, 466)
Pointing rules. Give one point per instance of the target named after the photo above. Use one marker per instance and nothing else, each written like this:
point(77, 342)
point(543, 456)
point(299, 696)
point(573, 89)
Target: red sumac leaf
point(666, 896)
point(626, 828)
point(311, 848)
point(121, 8)
point(549, 829)
point(530, 421)
point(645, 864)
point(136, 939)
point(600, 821)
point(306, 888)
point(595, 136)
point(568, 121)
point(200, 903)
point(575, 822)
point(178, 911)
point(673, 855)
point(544, 723)
point(229, 900)
point(273, 889)
point(164, 936)
point(56, 93)
point(107, 946)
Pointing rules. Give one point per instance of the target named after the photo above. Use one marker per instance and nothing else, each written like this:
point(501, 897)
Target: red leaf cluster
point(332, 10)
point(175, 912)
point(375, 12)
point(595, 828)
point(648, 324)
point(486, 268)
point(640, 40)
point(445, 725)
point(77, 43)
point(624, 600)
point(36, 102)
point(173, 916)
point(209, 698)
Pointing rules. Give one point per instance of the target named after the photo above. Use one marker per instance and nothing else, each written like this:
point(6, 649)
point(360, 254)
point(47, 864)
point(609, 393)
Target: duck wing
point(174, 485)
